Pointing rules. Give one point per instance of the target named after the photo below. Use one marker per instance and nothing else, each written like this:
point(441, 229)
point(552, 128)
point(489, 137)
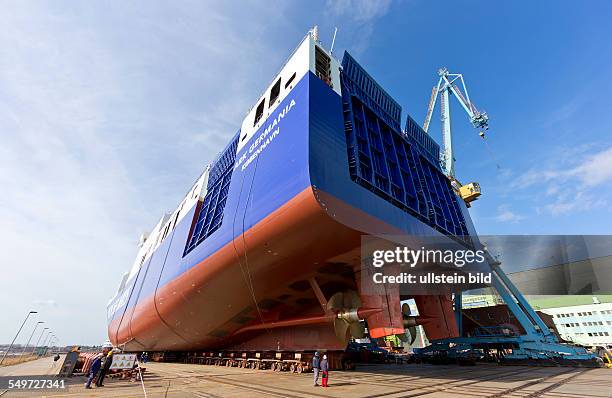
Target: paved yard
point(369, 381)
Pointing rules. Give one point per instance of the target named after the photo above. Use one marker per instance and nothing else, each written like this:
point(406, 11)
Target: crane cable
point(490, 150)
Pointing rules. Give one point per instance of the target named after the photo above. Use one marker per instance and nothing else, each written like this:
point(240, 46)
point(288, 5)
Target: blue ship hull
point(288, 206)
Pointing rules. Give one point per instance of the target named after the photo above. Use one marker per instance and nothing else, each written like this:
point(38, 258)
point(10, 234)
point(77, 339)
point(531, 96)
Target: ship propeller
point(410, 324)
point(346, 323)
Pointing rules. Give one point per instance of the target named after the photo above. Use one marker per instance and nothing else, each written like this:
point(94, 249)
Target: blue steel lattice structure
point(210, 215)
point(400, 166)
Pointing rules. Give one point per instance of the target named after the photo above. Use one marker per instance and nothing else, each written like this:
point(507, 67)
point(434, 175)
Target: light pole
point(38, 341)
point(15, 338)
point(30, 339)
point(49, 344)
point(45, 339)
point(54, 342)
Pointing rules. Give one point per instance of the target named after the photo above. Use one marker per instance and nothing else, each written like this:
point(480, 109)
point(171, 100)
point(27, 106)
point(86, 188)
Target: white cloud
point(355, 19)
point(576, 183)
point(504, 214)
point(595, 169)
point(579, 201)
point(590, 171)
point(359, 10)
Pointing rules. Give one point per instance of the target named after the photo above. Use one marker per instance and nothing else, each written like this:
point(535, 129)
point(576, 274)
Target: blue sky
point(110, 110)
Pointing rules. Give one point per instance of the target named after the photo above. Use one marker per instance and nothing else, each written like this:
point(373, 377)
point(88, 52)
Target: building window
point(274, 92)
point(290, 80)
point(323, 66)
point(259, 111)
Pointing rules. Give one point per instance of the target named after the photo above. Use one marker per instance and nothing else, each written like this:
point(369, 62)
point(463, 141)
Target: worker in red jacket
point(324, 371)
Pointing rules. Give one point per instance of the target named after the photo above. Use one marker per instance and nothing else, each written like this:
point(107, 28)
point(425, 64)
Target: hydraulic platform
point(537, 346)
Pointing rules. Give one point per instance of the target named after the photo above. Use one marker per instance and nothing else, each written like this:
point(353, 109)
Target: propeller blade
point(351, 299)
point(340, 302)
point(357, 330)
point(336, 302)
point(341, 328)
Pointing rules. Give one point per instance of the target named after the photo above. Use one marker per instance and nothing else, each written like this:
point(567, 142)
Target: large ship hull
point(293, 212)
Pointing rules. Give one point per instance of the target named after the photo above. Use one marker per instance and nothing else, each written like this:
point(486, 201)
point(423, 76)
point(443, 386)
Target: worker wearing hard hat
point(107, 351)
point(324, 365)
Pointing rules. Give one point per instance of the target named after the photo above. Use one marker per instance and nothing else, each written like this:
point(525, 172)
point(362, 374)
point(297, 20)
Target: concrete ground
point(368, 381)
point(44, 366)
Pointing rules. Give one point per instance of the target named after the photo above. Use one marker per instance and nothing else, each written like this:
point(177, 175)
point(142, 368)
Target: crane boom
point(432, 103)
point(452, 83)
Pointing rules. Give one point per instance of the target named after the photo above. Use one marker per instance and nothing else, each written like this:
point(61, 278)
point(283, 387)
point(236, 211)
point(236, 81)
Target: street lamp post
point(49, 344)
point(45, 339)
point(54, 342)
point(38, 341)
point(15, 338)
point(30, 339)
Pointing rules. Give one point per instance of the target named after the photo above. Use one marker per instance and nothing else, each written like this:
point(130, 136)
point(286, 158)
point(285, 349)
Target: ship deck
point(184, 380)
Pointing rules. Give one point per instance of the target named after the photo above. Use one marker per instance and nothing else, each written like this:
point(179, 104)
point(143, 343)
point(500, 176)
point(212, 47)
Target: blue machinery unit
point(537, 346)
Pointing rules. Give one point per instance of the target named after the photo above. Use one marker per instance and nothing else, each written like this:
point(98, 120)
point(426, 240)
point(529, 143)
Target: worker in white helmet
point(324, 365)
point(107, 352)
